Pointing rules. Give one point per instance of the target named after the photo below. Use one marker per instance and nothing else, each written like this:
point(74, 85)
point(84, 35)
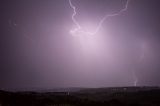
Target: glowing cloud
point(79, 29)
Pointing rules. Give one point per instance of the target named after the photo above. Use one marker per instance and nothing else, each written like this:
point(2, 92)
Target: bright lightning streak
point(141, 58)
point(79, 29)
point(73, 18)
point(87, 39)
point(135, 78)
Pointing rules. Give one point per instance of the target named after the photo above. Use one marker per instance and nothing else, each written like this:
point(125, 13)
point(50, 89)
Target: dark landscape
point(116, 96)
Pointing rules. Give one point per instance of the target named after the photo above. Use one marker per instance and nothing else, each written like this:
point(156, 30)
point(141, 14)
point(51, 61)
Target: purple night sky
point(39, 52)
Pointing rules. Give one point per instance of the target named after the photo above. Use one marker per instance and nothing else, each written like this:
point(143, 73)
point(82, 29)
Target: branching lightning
point(79, 29)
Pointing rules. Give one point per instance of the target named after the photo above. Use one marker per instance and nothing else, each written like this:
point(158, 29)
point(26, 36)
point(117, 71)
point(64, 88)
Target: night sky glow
point(79, 43)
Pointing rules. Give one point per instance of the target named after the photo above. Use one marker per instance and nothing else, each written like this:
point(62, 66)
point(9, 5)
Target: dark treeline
point(92, 97)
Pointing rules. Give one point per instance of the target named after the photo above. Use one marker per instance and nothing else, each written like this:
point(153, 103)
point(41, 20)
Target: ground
point(117, 96)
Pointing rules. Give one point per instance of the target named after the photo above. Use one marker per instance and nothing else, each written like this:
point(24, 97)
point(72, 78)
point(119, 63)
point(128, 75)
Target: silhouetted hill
point(112, 96)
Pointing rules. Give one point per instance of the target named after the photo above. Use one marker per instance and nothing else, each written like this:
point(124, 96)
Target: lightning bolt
point(135, 78)
point(141, 59)
point(79, 29)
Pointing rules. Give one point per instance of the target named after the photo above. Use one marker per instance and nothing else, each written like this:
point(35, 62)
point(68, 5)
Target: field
point(113, 96)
